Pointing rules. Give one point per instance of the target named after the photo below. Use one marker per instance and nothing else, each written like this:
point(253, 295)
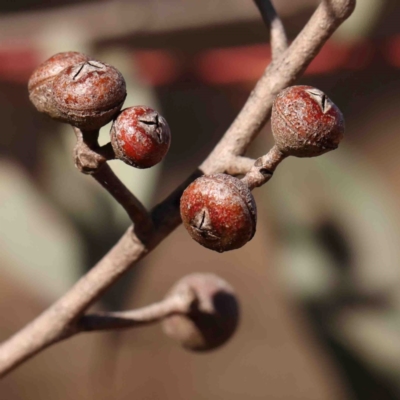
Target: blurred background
point(319, 283)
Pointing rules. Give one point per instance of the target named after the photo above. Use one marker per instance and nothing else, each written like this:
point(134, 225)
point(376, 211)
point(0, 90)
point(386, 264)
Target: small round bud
point(305, 122)
point(40, 82)
point(213, 317)
point(140, 137)
point(88, 95)
point(219, 212)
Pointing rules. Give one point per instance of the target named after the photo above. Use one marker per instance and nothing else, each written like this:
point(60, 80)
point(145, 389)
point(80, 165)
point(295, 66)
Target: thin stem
point(87, 159)
point(89, 156)
point(176, 304)
point(60, 320)
point(106, 151)
point(91, 159)
point(279, 42)
point(263, 168)
point(141, 219)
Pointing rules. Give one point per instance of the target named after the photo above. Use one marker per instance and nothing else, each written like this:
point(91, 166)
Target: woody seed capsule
point(219, 212)
point(212, 319)
point(305, 122)
point(140, 137)
point(40, 82)
point(88, 95)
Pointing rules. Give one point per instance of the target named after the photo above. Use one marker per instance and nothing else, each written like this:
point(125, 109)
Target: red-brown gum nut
point(305, 122)
point(88, 95)
point(213, 317)
point(39, 85)
point(219, 212)
point(140, 137)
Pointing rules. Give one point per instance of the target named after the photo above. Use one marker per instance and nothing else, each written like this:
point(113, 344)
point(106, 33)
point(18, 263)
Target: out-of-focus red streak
point(221, 66)
point(156, 67)
point(17, 61)
point(226, 66)
point(393, 51)
point(232, 65)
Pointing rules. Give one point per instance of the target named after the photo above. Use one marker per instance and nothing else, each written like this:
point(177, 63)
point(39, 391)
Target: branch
point(279, 42)
point(176, 304)
point(62, 318)
point(90, 158)
point(141, 219)
point(278, 75)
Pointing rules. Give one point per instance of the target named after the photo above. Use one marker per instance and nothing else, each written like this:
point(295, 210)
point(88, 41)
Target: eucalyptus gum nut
point(140, 137)
point(88, 95)
point(40, 83)
point(212, 318)
point(305, 122)
point(219, 212)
